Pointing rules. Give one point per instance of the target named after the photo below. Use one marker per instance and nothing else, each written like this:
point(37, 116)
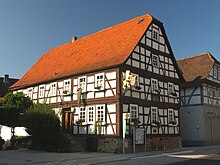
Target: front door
point(67, 119)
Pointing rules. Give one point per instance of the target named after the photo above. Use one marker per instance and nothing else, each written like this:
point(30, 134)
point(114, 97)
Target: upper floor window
point(154, 115)
point(100, 112)
point(155, 35)
point(171, 119)
point(41, 91)
point(66, 86)
point(215, 72)
point(133, 111)
point(82, 83)
point(155, 61)
point(99, 81)
point(170, 88)
point(30, 92)
point(154, 86)
point(53, 89)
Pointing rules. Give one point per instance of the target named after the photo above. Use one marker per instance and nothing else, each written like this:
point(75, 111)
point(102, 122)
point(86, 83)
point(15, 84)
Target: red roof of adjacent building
point(196, 67)
point(104, 49)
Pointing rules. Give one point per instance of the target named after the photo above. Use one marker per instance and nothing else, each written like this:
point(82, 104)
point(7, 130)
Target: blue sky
point(30, 28)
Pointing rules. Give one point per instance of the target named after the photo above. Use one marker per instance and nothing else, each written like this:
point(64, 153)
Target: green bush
point(2, 141)
point(43, 126)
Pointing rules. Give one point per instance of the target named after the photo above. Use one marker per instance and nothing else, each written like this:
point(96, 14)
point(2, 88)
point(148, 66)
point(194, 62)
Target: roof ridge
point(113, 26)
point(194, 56)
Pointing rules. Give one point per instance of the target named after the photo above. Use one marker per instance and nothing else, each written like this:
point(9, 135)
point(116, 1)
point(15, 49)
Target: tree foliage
point(12, 107)
point(43, 125)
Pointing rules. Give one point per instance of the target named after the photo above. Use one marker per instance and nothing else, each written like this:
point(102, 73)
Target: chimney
point(74, 38)
point(6, 78)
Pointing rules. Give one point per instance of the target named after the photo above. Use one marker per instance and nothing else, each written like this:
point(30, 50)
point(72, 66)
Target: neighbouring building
point(200, 100)
point(5, 83)
point(94, 81)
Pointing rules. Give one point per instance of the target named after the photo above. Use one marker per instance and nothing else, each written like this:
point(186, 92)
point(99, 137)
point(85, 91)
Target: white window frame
point(30, 93)
point(155, 60)
point(53, 89)
point(91, 111)
point(82, 85)
point(154, 86)
point(102, 110)
point(133, 111)
point(171, 116)
point(82, 114)
point(155, 34)
point(100, 83)
point(170, 87)
point(67, 86)
point(41, 92)
point(154, 115)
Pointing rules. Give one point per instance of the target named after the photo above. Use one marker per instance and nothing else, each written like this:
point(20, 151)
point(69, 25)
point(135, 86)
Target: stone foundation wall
point(115, 144)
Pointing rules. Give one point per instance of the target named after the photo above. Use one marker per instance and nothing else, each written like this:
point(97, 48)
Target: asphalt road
point(209, 155)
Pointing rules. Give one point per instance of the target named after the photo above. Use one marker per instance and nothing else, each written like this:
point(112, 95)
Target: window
point(30, 92)
point(154, 115)
point(133, 111)
point(155, 35)
point(171, 119)
point(91, 114)
point(82, 114)
point(99, 81)
point(155, 61)
point(66, 86)
point(219, 74)
point(215, 72)
point(41, 91)
point(214, 93)
point(82, 83)
point(53, 89)
point(170, 88)
point(100, 112)
point(154, 86)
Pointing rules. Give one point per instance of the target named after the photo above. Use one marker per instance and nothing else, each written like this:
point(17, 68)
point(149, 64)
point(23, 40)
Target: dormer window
point(155, 61)
point(99, 81)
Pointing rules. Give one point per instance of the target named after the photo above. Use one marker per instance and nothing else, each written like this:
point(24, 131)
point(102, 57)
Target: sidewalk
point(17, 157)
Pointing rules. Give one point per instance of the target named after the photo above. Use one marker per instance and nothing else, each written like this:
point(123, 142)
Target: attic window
point(155, 35)
point(140, 20)
point(215, 73)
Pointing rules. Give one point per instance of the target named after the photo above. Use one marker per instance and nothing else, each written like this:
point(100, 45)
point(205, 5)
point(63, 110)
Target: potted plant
point(136, 122)
point(65, 92)
point(79, 122)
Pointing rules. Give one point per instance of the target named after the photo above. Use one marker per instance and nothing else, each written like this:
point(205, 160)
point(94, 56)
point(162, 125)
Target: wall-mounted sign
point(139, 138)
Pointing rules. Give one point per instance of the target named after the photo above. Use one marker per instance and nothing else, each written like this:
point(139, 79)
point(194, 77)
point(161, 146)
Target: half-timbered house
point(91, 82)
point(200, 100)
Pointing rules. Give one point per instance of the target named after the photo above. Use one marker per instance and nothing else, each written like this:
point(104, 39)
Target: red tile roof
point(196, 67)
point(104, 49)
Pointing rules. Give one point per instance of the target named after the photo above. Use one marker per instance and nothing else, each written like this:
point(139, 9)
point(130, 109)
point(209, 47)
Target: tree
point(43, 125)
point(12, 108)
